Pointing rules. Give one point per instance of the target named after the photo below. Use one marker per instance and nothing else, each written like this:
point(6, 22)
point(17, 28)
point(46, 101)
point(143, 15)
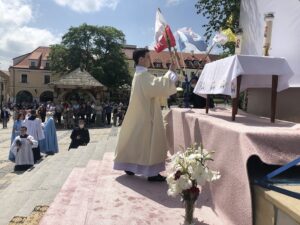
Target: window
point(24, 78)
point(32, 64)
point(158, 65)
point(46, 79)
point(47, 65)
point(189, 63)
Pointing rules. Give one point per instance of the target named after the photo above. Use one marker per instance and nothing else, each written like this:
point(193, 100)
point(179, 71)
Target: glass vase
point(189, 199)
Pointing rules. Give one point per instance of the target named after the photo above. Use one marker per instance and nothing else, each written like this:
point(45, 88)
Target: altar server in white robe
point(142, 143)
point(21, 148)
point(34, 129)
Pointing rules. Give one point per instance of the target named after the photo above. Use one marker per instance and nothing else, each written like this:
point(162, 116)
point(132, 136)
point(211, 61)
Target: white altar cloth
point(219, 77)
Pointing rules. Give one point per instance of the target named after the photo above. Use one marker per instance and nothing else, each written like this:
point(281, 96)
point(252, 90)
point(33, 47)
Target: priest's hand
point(173, 67)
point(30, 142)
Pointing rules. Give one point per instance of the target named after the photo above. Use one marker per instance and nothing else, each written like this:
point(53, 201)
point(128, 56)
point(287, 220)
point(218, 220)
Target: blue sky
point(30, 23)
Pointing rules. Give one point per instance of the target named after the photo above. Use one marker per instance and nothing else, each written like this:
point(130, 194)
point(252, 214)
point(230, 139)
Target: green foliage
point(58, 57)
point(220, 14)
point(95, 49)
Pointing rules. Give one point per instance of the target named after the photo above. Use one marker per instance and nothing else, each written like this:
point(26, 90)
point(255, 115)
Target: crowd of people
point(67, 115)
point(34, 127)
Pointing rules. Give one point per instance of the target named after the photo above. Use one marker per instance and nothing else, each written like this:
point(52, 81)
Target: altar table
point(234, 143)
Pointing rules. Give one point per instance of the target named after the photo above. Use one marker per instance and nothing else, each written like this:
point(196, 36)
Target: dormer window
point(32, 64)
point(196, 63)
point(157, 64)
point(47, 65)
point(188, 63)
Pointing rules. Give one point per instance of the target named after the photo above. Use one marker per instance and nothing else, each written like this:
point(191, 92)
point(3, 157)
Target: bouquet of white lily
point(190, 169)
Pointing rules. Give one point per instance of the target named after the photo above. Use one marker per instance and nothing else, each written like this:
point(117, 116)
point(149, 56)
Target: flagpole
point(170, 49)
point(206, 55)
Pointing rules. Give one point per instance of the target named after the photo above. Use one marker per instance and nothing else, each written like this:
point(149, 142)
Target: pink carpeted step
point(56, 211)
point(76, 211)
point(122, 199)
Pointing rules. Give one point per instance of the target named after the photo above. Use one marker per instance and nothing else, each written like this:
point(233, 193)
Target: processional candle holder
point(269, 17)
point(238, 42)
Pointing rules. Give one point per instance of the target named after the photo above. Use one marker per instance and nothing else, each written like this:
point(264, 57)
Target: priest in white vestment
point(21, 148)
point(34, 129)
point(142, 143)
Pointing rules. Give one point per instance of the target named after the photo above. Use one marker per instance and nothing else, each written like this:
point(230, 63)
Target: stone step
point(123, 199)
point(43, 184)
point(76, 211)
point(19, 192)
point(67, 189)
point(44, 163)
point(42, 168)
point(78, 201)
point(63, 198)
point(47, 191)
point(111, 197)
point(46, 158)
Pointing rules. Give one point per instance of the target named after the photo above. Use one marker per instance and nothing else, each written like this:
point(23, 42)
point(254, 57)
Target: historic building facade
point(4, 87)
point(30, 78)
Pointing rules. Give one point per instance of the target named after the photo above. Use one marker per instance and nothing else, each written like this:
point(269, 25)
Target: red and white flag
point(163, 35)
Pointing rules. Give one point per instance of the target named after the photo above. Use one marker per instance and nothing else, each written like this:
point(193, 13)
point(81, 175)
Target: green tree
point(95, 49)
point(220, 14)
point(58, 57)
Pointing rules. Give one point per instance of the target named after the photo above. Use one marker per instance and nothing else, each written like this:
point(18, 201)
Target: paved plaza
point(6, 167)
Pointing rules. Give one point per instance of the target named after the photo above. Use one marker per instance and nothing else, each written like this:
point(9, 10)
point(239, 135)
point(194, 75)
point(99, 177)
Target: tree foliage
point(220, 14)
point(95, 49)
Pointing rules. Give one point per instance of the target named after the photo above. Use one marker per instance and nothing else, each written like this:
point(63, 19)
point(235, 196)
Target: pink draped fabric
point(233, 143)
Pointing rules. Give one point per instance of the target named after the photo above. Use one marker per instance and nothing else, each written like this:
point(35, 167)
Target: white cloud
point(25, 39)
point(14, 12)
point(16, 37)
point(86, 6)
point(174, 2)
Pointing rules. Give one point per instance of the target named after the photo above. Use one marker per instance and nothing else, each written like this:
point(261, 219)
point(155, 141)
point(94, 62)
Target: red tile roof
point(42, 53)
point(38, 54)
point(35, 55)
point(164, 57)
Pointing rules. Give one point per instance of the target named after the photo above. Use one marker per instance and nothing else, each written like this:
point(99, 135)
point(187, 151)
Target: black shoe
point(129, 173)
point(157, 178)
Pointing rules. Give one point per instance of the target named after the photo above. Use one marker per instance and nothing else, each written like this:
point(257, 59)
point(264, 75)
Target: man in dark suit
point(4, 116)
point(80, 135)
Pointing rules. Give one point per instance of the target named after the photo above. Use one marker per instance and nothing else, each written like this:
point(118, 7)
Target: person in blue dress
point(15, 132)
point(49, 145)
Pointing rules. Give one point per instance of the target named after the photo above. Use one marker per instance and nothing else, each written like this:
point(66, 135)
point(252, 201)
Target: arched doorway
point(77, 96)
point(24, 97)
point(46, 96)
